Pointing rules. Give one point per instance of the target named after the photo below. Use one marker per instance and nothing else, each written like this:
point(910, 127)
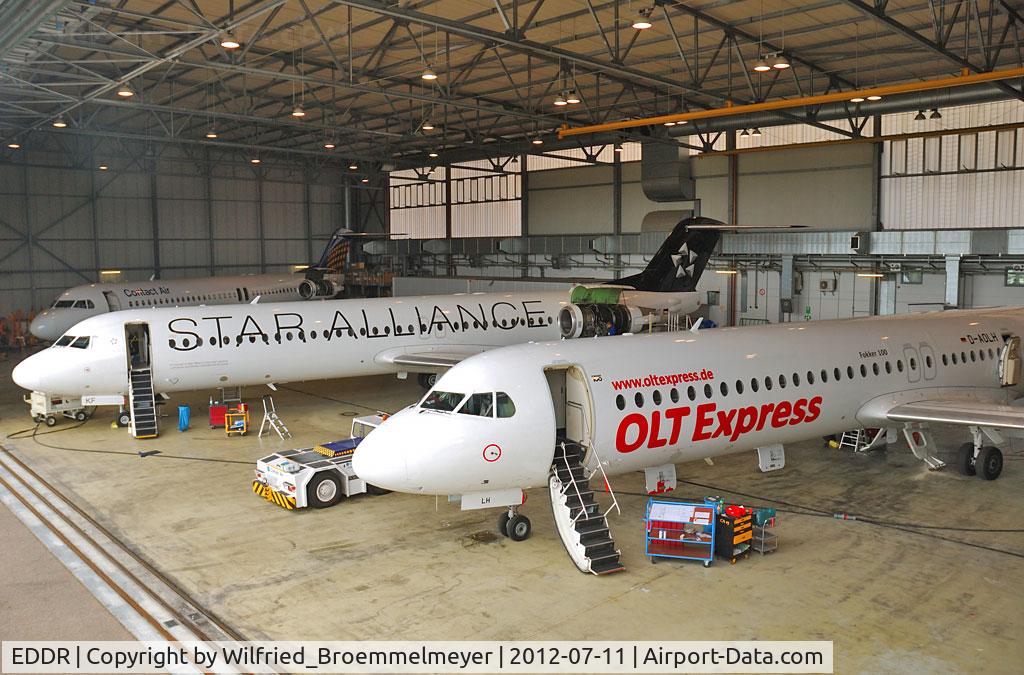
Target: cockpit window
point(481, 405)
point(444, 401)
point(84, 304)
point(63, 304)
point(506, 408)
point(80, 343)
point(64, 341)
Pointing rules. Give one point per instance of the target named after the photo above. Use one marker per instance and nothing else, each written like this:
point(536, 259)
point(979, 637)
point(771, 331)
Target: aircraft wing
point(429, 360)
point(960, 412)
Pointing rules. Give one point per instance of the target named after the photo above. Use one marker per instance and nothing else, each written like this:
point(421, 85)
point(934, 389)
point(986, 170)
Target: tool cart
point(734, 532)
point(680, 530)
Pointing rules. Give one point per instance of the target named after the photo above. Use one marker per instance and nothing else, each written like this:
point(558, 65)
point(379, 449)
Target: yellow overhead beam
point(787, 103)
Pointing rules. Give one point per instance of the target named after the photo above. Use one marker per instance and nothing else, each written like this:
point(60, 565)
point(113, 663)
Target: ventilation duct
point(665, 173)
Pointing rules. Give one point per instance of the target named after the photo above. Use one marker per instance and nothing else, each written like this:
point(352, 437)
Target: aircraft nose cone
point(43, 327)
point(380, 461)
point(26, 374)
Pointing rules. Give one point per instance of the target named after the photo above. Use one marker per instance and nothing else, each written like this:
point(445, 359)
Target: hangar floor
point(405, 567)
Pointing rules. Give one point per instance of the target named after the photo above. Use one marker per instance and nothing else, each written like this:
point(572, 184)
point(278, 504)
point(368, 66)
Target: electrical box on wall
point(827, 285)
point(712, 299)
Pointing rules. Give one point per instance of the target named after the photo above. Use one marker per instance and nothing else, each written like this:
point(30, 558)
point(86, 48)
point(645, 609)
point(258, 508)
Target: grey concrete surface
point(405, 567)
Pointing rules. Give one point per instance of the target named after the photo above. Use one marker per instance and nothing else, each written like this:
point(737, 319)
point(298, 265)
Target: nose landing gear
point(513, 525)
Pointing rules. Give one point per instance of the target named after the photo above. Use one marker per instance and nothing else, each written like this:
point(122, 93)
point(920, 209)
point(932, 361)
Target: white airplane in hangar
point(140, 353)
point(563, 413)
point(323, 280)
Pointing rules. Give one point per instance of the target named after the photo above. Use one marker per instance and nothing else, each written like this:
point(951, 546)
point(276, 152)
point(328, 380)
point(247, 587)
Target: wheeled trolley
point(45, 409)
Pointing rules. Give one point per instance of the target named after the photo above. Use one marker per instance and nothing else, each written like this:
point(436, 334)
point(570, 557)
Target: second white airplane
point(569, 412)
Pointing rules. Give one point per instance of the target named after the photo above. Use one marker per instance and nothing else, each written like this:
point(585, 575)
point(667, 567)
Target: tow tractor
point(319, 476)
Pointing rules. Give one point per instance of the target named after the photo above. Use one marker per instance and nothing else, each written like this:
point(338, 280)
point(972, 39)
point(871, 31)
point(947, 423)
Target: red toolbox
point(217, 413)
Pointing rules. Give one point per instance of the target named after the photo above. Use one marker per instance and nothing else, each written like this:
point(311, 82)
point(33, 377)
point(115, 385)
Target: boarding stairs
point(142, 402)
point(582, 525)
point(271, 421)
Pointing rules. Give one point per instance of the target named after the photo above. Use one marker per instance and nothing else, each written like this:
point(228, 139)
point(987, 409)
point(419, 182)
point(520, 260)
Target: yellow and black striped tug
point(273, 496)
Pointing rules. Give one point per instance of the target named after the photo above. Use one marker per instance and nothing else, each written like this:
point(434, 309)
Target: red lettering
point(705, 418)
point(653, 440)
point(725, 418)
point(798, 412)
point(621, 444)
point(813, 409)
point(765, 409)
point(747, 420)
point(676, 415)
point(781, 415)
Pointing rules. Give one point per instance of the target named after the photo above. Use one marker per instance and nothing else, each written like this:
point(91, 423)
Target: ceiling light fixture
point(936, 115)
point(920, 116)
point(573, 98)
point(329, 145)
point(365, 180)
point(297, 111)
point(228, 41)
point(432, 155)
point(103, 167)
point(725, 271)
point(857, 99)
point(761, 65)
point(744, 133)
point(427, 126)
point(874, 97)
point(618, 147)
point(560, 101)
point(643, 19)
point(14, 145)
point(255, 160)
point(125, 91)
point(60, 123)
point(212, 133)
point(428, 74)
point(780, 62)
point(353, 166)
point(756, 132)
point(670, 123)
point(870, 275)
point(538, 141)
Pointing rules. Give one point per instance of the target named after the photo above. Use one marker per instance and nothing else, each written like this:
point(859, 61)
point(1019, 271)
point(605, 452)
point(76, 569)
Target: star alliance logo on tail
point(684, 261)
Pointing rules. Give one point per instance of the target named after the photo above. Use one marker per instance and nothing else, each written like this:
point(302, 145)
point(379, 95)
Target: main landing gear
point(427, 380)
point(984, 461)
point(513, 525)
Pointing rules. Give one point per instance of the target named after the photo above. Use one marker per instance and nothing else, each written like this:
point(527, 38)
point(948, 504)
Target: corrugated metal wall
point(234, 220)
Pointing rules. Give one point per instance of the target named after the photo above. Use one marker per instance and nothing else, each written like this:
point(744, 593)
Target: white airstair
point(142, 401)
point(582, 526)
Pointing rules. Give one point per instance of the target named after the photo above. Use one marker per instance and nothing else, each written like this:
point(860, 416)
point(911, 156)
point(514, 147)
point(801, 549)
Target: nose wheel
point(514, 526)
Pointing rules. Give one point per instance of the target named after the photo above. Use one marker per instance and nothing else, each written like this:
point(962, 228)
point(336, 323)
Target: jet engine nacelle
point(317, 288)
point(599, 320)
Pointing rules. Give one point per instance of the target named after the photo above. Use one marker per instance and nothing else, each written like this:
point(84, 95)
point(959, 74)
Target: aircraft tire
point(965, 459)
point(503, 523)
point(518, 528)
point(323, 491)
point(989, 463)
point(427, 380)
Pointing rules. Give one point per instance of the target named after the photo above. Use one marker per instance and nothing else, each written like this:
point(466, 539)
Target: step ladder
point(853, 439)
point(231, 396)
point(142, 402)
point(581, 524)
point(271, 419)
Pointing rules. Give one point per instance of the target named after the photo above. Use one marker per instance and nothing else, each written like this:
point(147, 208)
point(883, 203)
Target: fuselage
point(275, 342)
point(88, 300)
point(643, 401)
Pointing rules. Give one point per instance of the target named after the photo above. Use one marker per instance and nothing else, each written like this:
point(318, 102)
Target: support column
point(524, 213)
point(449, 261)
point(309, 218)
point(952, 281)
point(785, 289)
point(259, 220)
point(208, 174)
point(617, 210)
point(154, 209)
point(29, 238)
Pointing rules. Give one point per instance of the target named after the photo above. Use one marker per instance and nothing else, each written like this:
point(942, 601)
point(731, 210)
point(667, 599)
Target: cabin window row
point(206, 297)
point(768, 383)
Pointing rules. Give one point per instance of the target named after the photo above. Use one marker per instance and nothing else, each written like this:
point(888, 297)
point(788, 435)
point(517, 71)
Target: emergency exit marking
point(492, 453)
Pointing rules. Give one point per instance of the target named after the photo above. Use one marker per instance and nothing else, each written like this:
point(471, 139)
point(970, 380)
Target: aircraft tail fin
point(678, 264)
point(335, 256)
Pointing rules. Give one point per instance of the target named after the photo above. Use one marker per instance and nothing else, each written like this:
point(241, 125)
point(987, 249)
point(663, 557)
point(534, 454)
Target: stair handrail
point(607, 485)
point(572, 482)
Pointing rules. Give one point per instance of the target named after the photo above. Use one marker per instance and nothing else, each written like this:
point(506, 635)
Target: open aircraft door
point(112, 301)
point(570, 397)
point(1009, 361)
